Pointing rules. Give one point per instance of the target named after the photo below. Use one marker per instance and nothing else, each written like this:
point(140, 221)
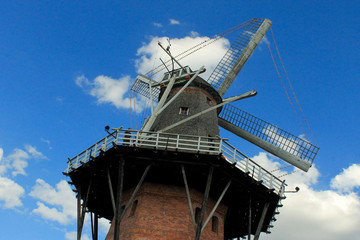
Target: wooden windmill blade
point(142, 87)
point(269, 137)
point(237, 55)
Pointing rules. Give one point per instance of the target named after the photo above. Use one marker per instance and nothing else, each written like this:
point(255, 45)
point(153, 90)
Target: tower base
point(161, 212)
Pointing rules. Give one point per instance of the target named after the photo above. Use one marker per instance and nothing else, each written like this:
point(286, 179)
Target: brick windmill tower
point(176, 178)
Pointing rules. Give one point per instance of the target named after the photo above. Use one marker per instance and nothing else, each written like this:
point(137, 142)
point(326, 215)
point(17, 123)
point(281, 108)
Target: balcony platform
point(167, 153)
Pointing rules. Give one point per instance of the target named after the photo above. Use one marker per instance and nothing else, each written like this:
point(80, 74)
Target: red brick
point(163, 213)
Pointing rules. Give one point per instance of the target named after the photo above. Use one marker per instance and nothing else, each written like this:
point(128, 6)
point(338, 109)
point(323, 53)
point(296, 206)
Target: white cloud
point(107, 90)
point(3, 165)
point(73, 236)
point(310, 213)
point(17, 161)
point(264, 43)
point(82, 81)
point(348, 179)
point(111, 90)
point(114, 91)
point(1, 153)
point(11, 193)
point(52, 214)
point(266, 161)
point(34, 153)
point(194, 34)
point(320, 215)
point(47, 142)
point(104, 225)
point(174, 22)
point(149, 54)
point(159, 25)
point(61, 201)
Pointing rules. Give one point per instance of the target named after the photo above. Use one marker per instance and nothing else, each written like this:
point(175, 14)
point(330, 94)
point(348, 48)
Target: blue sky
point(56, 59)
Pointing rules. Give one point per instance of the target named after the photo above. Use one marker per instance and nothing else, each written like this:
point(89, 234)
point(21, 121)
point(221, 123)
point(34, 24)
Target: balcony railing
point(181, 143)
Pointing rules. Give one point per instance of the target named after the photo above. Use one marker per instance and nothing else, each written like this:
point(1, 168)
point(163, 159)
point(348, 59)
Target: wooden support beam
point(261, 222)
point(203, 206)
point(81, 209)
point(96, 227)
point(250, 213)
point(78, 212)
point(216, 205)
point(118, 198)
point(111, 191)
point(188, 196)
point(135, 191)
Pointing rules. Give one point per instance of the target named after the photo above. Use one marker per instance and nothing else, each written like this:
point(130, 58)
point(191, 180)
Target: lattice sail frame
point(236, 49)
point(269, 132)
point(143, 89)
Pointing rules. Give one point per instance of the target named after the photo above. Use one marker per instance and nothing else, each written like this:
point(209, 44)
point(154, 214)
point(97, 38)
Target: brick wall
point(162, 212)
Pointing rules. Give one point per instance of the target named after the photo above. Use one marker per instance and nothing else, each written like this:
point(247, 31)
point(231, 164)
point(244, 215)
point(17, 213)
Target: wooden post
point(203, 206)
point(118, 198)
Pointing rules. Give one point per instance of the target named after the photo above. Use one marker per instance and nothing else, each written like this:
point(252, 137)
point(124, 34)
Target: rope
point(146, 112)
point(278, 169)
point(292, 89)
point(283, 85)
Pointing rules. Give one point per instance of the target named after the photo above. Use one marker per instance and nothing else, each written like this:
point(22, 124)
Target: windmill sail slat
point(225, 66)
point(265, 133)
point(141, 87)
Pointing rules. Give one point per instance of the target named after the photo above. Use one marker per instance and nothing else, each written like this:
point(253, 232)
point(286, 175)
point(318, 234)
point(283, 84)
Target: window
point(184, 111)
point(215, 224)
point(133, 208)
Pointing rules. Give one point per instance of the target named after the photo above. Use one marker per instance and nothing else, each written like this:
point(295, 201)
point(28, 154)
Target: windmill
point(294, 150)
point(176, 178)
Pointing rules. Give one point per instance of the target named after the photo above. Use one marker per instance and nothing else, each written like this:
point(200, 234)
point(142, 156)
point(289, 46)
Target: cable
point(289, 173)
point(278, 169)
point(292, 89)
point(283, 85)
